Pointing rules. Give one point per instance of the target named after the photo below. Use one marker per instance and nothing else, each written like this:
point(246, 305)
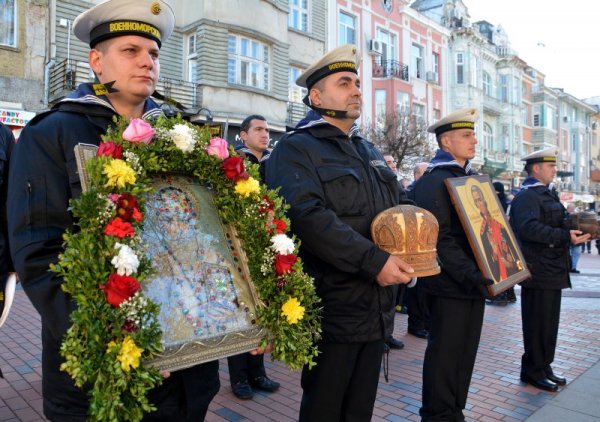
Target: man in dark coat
point(536, 216)
point(336, 183)
point(456, 297)
point(43, 178)
point(7, 141)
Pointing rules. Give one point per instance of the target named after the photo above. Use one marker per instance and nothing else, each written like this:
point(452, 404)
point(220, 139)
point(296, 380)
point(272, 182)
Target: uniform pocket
point(36, 202)
point(343, 191)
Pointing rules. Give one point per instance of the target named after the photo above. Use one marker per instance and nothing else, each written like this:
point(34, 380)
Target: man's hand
point(261, 351)
point(395, 271)
point(577, 237)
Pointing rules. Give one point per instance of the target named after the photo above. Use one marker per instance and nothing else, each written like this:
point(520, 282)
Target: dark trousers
point(244, 367)
point(540, 313)
point(185, 395)
point(418, 314)
point(343, 385)
point(454, 333)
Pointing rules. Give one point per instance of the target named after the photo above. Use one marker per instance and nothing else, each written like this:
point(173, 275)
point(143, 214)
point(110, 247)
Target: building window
point(417, 62)
point(298, 15)
point(419, 112)
point(402, 102)
point(538, 118)
point(516, 90)
point(474, 71)
point(504, 88)
point(525, 116)
point(295, 93)
point(487, 84)
point(488, 137)
point(437, 114)
point(8, 23)
point(192, 58)
point(380, 109)
point(460, 68)
point(388, 48)
point(347, 29)
point(435, 57)
point(248, 62)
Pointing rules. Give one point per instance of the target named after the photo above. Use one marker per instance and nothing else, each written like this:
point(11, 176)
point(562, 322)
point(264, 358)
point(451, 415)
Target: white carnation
point(126, 262)
point(282, 244)
point(183, 137)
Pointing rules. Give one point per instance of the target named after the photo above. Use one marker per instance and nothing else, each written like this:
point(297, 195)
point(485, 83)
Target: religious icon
point(207, 304)
point(490, 236)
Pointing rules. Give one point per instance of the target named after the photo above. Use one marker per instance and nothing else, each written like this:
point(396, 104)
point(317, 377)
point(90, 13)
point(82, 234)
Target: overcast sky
point(558, 38)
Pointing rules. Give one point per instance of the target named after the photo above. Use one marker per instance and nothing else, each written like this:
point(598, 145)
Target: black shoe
point(574, 271)
point(556, 379)
point(394, 343)
point(242, 390)
point(422, 333)
point(265, 384)
point(542, 384)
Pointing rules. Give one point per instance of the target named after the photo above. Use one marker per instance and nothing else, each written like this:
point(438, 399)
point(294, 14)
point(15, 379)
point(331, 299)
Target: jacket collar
point(445, 159)
point(84, 94)
point(314, 119)
point(532, 182)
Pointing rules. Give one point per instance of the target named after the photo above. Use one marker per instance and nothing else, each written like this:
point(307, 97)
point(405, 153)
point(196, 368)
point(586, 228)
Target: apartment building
point(519, 113)
point(403, 56)
point(22, 58)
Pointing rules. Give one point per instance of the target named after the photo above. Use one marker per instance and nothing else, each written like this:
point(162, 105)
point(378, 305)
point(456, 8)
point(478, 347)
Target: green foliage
point(85, 265)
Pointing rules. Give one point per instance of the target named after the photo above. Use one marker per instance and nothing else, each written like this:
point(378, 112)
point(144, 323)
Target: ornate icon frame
point(484, 248)
point(197, 349)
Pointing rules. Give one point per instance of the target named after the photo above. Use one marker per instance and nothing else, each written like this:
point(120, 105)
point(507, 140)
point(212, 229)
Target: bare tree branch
point(403, 136)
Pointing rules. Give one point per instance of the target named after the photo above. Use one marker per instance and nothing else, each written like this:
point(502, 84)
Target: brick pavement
point(495, 394)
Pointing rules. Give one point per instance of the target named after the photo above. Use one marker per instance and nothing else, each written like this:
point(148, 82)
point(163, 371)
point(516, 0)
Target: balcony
point(65, 77)
point(295, 113)
point(390, 69)
point(492, 105)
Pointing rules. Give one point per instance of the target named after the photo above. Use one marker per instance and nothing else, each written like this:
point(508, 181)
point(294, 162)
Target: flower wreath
point(115, 328)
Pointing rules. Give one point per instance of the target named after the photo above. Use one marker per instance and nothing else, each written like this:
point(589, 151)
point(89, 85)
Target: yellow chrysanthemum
point(292, 310)
point(110, 346)
point(119, 174)
point(247, 187)
point(130, 354)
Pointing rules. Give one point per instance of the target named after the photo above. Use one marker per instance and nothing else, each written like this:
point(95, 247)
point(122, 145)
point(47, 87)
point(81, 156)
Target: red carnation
point(284, 263)
point(110, 149)
point(119, 288)
point(280, 226)
point(127, 207)
point(119, 228)
point(233, 167)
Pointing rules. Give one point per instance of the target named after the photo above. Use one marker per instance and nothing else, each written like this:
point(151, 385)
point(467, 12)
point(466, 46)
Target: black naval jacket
point(460, 275)
point(536, 216)
point(6, 145)
point(43, 178)
point(336, 184)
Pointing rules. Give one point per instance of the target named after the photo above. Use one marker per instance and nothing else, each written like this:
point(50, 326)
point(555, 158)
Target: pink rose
point(218, 147)
point(138, 131)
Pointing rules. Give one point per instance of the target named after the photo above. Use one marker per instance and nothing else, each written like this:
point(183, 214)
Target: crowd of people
point(335, 182)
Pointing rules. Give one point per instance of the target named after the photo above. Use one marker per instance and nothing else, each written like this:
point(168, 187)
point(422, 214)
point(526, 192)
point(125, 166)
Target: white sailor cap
point(152, 19)
point(547, 155)
point(461, 119)
point(341, 59)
